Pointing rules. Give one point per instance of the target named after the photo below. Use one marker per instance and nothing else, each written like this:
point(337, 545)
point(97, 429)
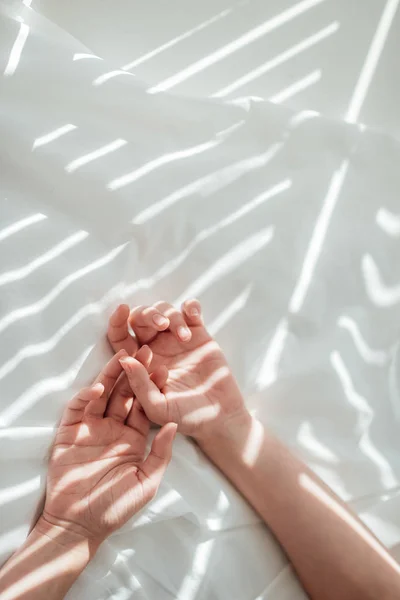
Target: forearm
point(46, 565)
point(335, 556)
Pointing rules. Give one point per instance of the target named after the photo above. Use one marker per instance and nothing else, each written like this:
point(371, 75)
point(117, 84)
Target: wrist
point(47, 564)
point(67, 538)
point(232, 431)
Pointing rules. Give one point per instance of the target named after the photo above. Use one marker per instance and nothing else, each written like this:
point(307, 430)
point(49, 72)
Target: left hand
point(199, 391)
point(98, 475)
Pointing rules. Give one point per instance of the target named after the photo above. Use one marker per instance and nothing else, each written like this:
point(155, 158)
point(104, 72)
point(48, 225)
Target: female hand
point(200, 393)
point(98, 474)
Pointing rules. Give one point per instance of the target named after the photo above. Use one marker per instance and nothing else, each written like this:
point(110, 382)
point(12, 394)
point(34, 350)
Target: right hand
point(200, 394)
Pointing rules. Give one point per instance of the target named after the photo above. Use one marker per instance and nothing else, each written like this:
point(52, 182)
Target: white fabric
point(285, 223)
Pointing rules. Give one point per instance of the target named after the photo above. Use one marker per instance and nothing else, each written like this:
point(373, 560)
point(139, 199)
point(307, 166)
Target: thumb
point(145, 390)
point(160, 454)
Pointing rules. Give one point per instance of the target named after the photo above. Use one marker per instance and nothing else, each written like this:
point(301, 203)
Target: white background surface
point(285, 223)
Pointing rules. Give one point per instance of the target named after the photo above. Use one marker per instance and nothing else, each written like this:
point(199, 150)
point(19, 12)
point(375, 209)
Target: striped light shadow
point(34, 350)
point(16, 50)
point(378, 292)
point(198, 570)
point(318, 238)
point(37, 307)
point(30, 434)
point(230, 311)
point(285, 580)
point(280, 59)
point(203, 235)
point(228, 263)
point(21, 225)
point(394, 381)
point(13, 492)
point(307, 439)
point(39, 390)
point(191, 583)
point(369, 355)
point(124, 180)
point(21, 273)
point(11, 540)
point(110, 75)
point(91, 156)
point(371, 61)
point(215, 523)
point(53, 135)
point(368, 539)
point(184, 36)
point(268, 372)
point(359, 95)
point(159, 506)
point(210, 183)
point(229, 49)
point(275, 190)
point(296, 87)
point(83, 56)
point(365, 416)
point(388, 222)
point(38, 578)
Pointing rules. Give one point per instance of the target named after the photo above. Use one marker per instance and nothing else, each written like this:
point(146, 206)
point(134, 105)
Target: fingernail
point(98, 387)
point(174, 429)
point(194, 312)
point(122, 308)
point(126, 361)
point(184, 333)
point(160, 321)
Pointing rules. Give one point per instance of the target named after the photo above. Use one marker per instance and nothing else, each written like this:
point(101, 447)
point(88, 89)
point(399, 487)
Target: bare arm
point(46, 565)
point(334, 554)
point(99, 477)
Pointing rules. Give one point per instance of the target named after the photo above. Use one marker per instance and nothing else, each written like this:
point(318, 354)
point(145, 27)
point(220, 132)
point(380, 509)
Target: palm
point(98, 475)
point(198, 373)
point(200, 387)
point(94, 475)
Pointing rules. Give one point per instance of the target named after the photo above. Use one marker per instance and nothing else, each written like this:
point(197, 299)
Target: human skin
point(335, 556)
point(98, 477)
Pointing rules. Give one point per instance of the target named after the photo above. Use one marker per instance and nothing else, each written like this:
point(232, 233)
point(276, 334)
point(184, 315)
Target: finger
point(177, 323)
point(148, 316)
point(144, 389)
point(74, 411)
point(146, 322)
point(108, 378)
point(160, 377)
point(157, 461)
point(137, 420)
point(118, 331)
point(121, 400)
point(191, 310)
point(144, 355)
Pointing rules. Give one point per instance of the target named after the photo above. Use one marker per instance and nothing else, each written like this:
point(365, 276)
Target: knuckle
point(126, 392)
point(136, 311)
point(175, 315)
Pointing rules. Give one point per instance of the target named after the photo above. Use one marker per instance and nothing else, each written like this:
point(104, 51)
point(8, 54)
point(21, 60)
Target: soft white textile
point(285, 223)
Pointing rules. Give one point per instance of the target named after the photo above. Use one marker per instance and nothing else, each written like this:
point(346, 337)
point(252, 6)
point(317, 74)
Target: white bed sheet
point(286, 224)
